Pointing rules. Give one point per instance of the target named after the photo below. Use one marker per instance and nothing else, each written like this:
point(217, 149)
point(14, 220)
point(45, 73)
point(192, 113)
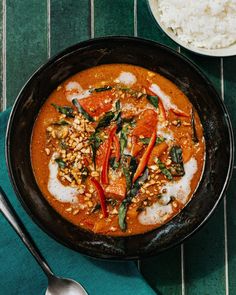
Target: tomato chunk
point(97, 104)
point(116, 188)
point(145, 126)
point(157, 151)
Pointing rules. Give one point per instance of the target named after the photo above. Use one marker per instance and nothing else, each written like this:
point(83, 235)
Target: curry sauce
point(117, 149)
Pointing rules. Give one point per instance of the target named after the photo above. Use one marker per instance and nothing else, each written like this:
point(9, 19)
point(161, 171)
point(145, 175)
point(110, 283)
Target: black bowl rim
point(88, 42)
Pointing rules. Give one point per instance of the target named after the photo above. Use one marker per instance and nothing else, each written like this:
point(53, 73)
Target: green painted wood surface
point(230, 100)
point(29, 32)
point(70, 23)
point(165, 280)
point(1, 59)
point(113, 17)
point(26, 42)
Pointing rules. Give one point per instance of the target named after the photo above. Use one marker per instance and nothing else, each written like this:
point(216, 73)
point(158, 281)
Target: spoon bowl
point(56, 285)
point(62, 286)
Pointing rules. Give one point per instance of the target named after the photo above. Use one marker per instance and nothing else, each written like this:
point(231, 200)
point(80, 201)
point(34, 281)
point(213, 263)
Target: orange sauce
point(47, 139)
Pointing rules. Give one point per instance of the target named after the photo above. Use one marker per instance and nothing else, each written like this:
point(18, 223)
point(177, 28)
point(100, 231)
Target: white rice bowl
point(205, 26)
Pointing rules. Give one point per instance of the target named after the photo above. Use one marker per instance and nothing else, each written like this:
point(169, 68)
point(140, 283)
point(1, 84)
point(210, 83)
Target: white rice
point(203, 23)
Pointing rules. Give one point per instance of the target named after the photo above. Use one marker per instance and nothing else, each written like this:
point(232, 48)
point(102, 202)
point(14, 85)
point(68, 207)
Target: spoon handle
point(11, 216)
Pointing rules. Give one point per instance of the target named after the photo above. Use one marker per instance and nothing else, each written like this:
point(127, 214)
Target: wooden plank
point(163, 272)
point(1, 59)
point(204, 259)
point(70, 23)
point(26, 27)
point(204, 253)
point(230, 88)
point(26, 49)
point(148, 27)
point(230, 100)
point(231, 221)
point(113, 17)
point(210, 66)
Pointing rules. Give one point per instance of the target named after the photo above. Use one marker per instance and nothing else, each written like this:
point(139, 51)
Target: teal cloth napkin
point(20, 274)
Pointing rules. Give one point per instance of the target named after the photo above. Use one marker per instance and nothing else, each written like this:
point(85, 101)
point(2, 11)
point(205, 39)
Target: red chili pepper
point(117, 147)
point(104, 173)
point(101, 195)
point(86, 162)
point(162, 109)
point(144, 160)
point(179, 113)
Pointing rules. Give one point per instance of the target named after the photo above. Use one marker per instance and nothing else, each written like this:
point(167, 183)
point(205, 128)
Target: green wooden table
point(33, 30)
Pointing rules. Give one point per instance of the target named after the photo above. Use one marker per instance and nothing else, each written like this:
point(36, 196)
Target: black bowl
point(158, 58)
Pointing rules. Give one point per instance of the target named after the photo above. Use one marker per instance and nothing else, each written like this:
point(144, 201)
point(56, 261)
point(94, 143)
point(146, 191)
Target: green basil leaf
point(146, 140)
point(132, 193)
point(63, 145)
point(95, 142)
point(123, 138)
point(176, 154)
point(65, 110)
point(114, 165)
point(96, 208)
point(118, 105)
point(61, 123)
point(138, 183)
point(177, 168)
point(60, 163)
point(101, 89)
point(105, 120)
point(127, 177)
point(133, 166)
point(84, 173)
point(112, 202)
point(164, 170)
point(194, 135)
point(153, 100)
point(119, 122)
point(122, 215)
point(81, 110)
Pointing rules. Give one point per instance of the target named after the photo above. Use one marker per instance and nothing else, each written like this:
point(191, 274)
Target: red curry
point(117, 149)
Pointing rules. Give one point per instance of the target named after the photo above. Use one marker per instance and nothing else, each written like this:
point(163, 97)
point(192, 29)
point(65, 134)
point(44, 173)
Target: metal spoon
point(56, 285)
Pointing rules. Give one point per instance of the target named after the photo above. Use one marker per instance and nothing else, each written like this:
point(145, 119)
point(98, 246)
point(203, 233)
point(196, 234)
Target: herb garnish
point(65, 110)
point(163, 169)
point(101, 89)
point(61, 123)
point(112, 202)
point(146, 140)
point(176, 154)
point(125, 163)
point(105, 120)
point(63, 145)
point(130, 195)
point(123, 138)
point(177, 168)
point(96, 208)
point(113, 163)
point(153, 100)
point(194, 135)
point(60, 163)
point(81, 110)
point(118, 105)
point(84, 173)
point(95, 142)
